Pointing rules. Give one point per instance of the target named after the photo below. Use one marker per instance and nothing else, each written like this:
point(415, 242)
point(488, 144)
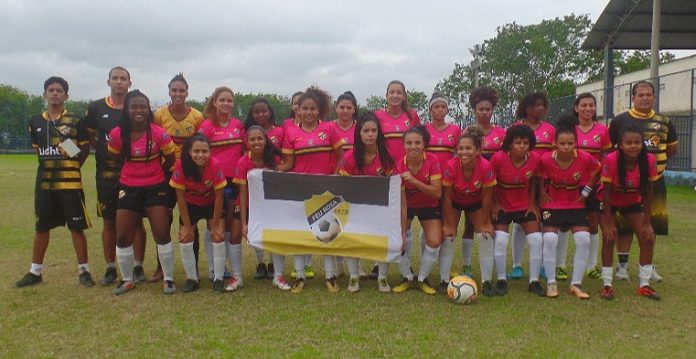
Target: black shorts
point(518, 217)
point(469, 208)
point(107, 198)
point(196, 213)
point(137, 199)
point(54, 208)
point(424, 214)
point(564, 218)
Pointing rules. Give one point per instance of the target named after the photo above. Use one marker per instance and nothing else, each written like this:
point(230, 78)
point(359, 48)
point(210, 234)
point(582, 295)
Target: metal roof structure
point(627, 24)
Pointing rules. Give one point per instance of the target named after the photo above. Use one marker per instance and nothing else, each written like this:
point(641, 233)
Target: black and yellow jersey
point(100, 119)
point(179, 131)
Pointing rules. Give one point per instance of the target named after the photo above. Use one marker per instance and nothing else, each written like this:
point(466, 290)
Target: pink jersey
point(375, 168)
point(491, 142)
point(199, 193)
point(244, 165)
point(631, 195)
point(140, 169)
point(512, 190)
point(430, 171)
point(545, 135)
point(394, 129)
point(347, 135)
point(564, 185)
point(276, 135)
point(443, 142)
point(314, 150)
point(593, 141)
point(468, 191)
point(287, 123)
point(226, 143)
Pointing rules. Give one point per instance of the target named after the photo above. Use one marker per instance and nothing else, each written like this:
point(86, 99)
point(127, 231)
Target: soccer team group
point(546, 180)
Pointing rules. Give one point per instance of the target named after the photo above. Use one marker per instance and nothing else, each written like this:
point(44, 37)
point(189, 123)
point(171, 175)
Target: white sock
point(535, 242)
point(299, 265)
point(446, 258)
point(189, 260)
point(467, 248)
point(209, 251)
point(278, 264)
point(235, 255)
point(549, 255)
point(125, 257)
point(36, 268)
point(382, 270)
point(486, 255)
point(219, 259)
point(353, 267)
point(518, 239)
point(562, 249)
point(644, 274)
point(582, 250)
point(329, 267)
point(500, 253)
point(607, 275)
point(427, 262)
point(259, 255)
point(594, 250)
point(83, 267)
point(165, 252)
point(405, 262)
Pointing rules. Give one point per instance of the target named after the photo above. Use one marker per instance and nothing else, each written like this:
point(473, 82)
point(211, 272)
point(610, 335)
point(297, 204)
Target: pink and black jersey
point(313, 150)
point(199, 193)
point(244, 165)
point(276, 135)
point(287, 123)
point(226, 143)
point(394, 129)
point(564, 185)
point(347, 135)
point(491, 142)
point(630, 195)
point(143, 168)
point(375, 168)
point(545, 135)
point(512, 188)
point(430, 171)
point(443, 142)
point(593, 141)
point(468, 191)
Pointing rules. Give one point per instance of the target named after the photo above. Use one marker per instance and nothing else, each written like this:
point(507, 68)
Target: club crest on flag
point(327, 214)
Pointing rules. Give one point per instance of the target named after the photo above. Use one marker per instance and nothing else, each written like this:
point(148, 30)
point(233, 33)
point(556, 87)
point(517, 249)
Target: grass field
point(61, 319)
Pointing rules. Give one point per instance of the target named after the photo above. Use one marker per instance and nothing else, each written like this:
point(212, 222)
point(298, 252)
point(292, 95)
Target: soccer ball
point(327, 228)
point(462, 290)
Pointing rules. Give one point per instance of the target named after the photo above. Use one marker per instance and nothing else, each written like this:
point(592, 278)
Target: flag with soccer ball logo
point(354, 216)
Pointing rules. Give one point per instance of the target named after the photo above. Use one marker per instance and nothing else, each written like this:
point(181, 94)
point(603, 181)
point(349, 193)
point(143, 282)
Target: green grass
point(59, 318)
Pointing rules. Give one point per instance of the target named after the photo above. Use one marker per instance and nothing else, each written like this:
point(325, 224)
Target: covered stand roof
point(627, 24)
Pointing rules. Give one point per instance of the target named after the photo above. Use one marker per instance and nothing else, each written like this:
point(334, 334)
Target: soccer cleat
point(261, 271)
point(426, 288)
point(516, 273)
point(403, 286)
point(442, 288)
point(331, 285)
point(168, 287)
point(374, 273)
point(467, 270)
point(622, 273)
point(219, 285)
point(123, 287)
point(577, 291)
point(281, 283)
point(646, 291)
point(86, 280)
point(501, 287)
point(552, 290)
point(561, 273)
point(487, 289)
point(383, 285)
point(28, 280)
point(109, 276)
point(535, 287)
point(298, 285)
point(233, 284)
point(139, 274)
point(607, 292)
point(354, 284)
point(270, 272)
point(655, 277)
point(308, 271)
point(227, 274)
point(190, 286)
point(594, 273)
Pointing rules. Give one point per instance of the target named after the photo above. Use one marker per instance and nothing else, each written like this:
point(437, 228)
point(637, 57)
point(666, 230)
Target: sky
point(254, 46)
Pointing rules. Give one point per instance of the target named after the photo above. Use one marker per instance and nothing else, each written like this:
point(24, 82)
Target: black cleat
point(535, 287)
point(109, 276)
point(86, 280)
point(501, 287)
point(29, 279)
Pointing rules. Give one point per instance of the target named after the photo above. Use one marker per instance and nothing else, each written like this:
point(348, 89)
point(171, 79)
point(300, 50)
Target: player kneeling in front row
point(61, 143)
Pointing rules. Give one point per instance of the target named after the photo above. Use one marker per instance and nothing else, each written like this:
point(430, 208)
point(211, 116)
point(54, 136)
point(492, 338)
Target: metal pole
point(655, 42)
point(608, 82)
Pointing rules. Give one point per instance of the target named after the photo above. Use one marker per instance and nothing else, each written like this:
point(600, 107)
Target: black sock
point(623, 258)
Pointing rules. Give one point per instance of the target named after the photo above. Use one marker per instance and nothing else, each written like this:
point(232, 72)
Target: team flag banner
point(292, 213)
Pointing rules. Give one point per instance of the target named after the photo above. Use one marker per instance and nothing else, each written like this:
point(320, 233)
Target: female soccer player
point(516, 169)
point(397, 118)
point(199, 183)
point(593, 138)
point(369, 157)
point(422, 187)
point(566, 170)
point(626, 188)
point(147, 153)
point(313, 147)
point(294, 117)
point(262, 154)
point(469, 182)
point(226, 135)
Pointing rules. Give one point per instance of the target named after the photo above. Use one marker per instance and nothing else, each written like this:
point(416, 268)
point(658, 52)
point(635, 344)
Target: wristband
point(586, 191)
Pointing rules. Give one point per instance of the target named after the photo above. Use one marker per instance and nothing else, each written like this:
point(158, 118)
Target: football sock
point(500, 253)
point(594, 250)
point(329, 267)
point(582, 250)
point(535, 254)
point(209, 251)
point(446, 258)
point(486, 255)
point(125, 257)
point(259, 255)
point(353, 267)
point(83, 267)
point(165, 252)
point(219, 259)
point(235, 254)
point(562, 248)
point(36, 268)
point(518, 238)
point(549, 255)
point(607, 275)
point(382, 270)
point(405, 262)
point(278, 265)
point(467, 247)
point(189, 260)
point(644, 274)
point(427, 262)
point(299, 265)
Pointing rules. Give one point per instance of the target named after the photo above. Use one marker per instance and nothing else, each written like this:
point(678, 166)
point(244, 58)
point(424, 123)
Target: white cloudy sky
point(253, 46)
